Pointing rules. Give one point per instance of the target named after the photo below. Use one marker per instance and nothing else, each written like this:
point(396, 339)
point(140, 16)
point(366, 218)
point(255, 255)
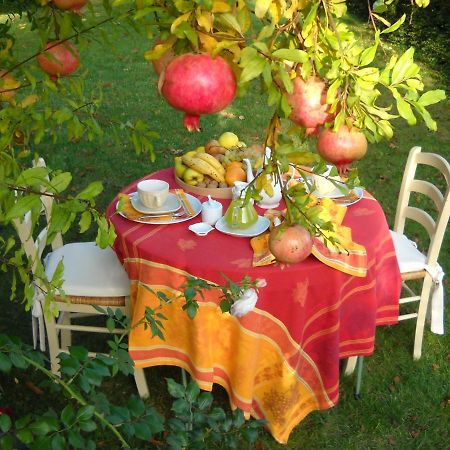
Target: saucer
point(171, 204)
point(259, 227)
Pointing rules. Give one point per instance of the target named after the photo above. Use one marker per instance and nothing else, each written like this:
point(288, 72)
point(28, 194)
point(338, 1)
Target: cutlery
point(156, 216)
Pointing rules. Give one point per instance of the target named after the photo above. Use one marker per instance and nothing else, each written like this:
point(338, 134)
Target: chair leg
point(350, 366)
point(359, 375)
point(141, 383)
point(53, 344)
point(66, 335)
point(421, 316)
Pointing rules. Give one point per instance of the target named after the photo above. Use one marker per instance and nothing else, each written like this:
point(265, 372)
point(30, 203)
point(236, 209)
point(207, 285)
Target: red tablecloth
point(280, 361)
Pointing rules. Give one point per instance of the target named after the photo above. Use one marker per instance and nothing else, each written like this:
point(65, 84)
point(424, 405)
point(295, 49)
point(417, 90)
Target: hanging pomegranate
point(290, 244)
point(308, 103)
point(59, 59)
point(70, 5)
point(198, 84)
point(341, 147)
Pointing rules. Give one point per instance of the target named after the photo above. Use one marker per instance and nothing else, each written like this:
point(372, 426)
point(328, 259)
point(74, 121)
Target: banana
point(203, 167)
point(212, 162)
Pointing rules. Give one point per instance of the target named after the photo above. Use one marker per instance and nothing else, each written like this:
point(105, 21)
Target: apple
point(59, 59)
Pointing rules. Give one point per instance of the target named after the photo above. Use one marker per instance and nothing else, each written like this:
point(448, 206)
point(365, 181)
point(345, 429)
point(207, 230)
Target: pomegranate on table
point(341, 147)
point(198, 84)
point(308, 103)
point(290, 244)
point(70, 5)
point(63, 59)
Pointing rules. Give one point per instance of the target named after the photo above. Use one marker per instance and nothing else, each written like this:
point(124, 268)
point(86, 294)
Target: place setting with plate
point(154, 203)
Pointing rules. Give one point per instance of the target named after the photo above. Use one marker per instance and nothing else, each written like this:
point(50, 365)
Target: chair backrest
point(34, 240)
point(434, 227)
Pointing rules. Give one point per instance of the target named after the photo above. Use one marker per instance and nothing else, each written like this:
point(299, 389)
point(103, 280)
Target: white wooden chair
point(92, 276)
point(415, 265)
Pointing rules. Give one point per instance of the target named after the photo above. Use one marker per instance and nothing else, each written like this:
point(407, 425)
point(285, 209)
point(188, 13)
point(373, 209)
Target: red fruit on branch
point(308, 103)
point(290, 244)
point(70, 5)
point(59, 59)
point(198, 84)
point(341, 147)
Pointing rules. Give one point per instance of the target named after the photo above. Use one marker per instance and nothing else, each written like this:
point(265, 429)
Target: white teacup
point(153, 193)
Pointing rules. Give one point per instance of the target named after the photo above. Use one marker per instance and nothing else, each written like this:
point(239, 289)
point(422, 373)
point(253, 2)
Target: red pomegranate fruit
point(341, 147)
point(308, 103)
point(290, 244)
point(198, 84)
point(63, 59)
point(70, 5)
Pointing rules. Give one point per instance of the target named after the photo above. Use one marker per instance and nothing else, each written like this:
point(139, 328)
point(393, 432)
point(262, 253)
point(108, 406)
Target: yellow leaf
point(208, 43)
point(28, 100)
point(274, 13)
point(219, 6)
point(293, 8)
point(204, 19)
point(157, 51)
point(261, 8)
point(179, 20)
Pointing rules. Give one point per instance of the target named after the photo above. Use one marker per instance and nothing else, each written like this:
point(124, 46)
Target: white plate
point(359, 193)
point(195, 204)
point(259, 227)
point(171, 204)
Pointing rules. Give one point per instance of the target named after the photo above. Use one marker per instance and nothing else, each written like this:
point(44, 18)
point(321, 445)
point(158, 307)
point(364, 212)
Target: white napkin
point(245, 303)
point(437, 299)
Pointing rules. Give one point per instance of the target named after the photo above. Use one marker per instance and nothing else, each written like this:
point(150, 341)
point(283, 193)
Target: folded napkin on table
point(130, 213)
point(347, 256)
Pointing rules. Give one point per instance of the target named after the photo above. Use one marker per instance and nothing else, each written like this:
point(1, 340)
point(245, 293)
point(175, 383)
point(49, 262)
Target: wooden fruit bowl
point(224, 193)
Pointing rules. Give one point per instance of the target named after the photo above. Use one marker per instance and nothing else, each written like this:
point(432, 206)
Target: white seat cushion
point(409, 257)
point(89, 271)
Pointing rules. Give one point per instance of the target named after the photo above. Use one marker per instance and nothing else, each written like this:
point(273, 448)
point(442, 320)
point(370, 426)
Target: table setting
point(280, 360)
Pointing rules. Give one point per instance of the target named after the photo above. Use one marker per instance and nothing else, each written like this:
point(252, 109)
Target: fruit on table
point(235, 172)
point(202, 166)
point(341, 147)
point(197, 84)
point(213, 148)
point(212, 161)
point(180, 168)
point(8, 84)
point(290, 244)
point(228, 140)
point(192, 177)
point(59, 59)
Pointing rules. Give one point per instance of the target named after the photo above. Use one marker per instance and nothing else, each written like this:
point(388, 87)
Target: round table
point(281, 360)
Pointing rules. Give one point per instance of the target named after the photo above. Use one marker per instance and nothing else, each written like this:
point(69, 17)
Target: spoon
point(172, 215)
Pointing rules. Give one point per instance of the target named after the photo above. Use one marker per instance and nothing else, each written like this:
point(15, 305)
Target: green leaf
point(58, 442)
point(136, 406)
point(85, 413)
point(405, 110)
point(5, 363)
point(91, 191)
point(32, 176)
point(180, 407)
point(75, 439)
point(175, 390)
point(18, 360)
point(253, 69)
point(192, 391)
point(332, 90)
point(85, 221)
point(142, 431)
point(395, 26)
point(402, 65)
point(230, 21)
point(60, 182)
point(432, 97)
point(68, 416)
point(5, 422)
point(368, 54)
point(293, 54)
point(78, 352)
point(41, 427)
point(23, 205)
point(25, 436)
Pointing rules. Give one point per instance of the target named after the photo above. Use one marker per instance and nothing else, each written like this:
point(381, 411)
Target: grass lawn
point(405, 403)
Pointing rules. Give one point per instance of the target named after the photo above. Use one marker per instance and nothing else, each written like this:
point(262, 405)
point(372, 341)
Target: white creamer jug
point(211, 211)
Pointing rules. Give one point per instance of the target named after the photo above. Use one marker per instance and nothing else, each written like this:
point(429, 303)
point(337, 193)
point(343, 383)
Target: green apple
point(180, 168)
